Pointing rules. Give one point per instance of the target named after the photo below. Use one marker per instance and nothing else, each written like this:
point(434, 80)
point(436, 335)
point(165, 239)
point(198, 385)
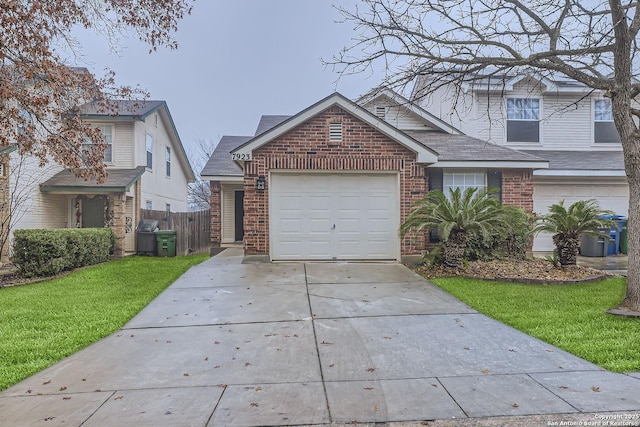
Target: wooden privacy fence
point(192, 229)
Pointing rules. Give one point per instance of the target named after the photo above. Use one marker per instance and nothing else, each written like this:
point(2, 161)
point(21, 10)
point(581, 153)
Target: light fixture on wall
point(260, 183)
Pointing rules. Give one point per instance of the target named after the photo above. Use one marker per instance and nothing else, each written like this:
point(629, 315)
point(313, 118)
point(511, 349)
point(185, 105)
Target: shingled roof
point(118, 181)
point(463, 148)
point(220, 163)
point(122, 108)
point(582, 160)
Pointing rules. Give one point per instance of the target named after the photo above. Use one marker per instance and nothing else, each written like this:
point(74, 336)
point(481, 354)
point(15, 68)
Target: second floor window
point(523, 120)
point(168, 160)
point(107, 134)
point(604, 130)
point(149, 151)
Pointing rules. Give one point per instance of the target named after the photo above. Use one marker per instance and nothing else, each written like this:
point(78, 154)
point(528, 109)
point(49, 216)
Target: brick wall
point(216, 213)
point(307, 147)
point(517, 188)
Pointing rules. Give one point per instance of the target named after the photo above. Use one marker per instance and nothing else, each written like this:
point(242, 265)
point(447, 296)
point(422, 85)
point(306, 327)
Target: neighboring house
point(147, 169)
point(5, 202)
point(334, 181)
point(559, 120)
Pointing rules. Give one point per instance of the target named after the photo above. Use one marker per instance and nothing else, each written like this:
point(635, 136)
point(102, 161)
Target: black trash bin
point(146, 237)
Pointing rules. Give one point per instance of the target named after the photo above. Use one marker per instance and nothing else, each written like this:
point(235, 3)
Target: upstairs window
point(149, 151)
point(107, 134)
point(604, 130)
point(148, 205)
point(523, 120)
point(167, 155)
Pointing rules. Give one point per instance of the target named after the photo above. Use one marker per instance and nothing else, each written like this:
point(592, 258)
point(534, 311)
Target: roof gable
point(390, 96)
point(138, 110)
point(424, 154)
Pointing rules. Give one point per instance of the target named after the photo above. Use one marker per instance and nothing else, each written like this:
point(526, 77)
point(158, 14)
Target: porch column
point(117, 203)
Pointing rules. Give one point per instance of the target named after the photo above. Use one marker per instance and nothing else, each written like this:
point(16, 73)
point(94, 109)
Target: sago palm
point(455, 217)
point(569, 224)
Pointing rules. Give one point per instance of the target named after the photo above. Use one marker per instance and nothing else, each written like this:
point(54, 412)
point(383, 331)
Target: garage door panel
point(611, 196)
point(343, 216)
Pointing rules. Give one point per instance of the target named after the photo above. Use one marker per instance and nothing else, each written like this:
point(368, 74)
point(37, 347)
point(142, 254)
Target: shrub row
point(45, 252)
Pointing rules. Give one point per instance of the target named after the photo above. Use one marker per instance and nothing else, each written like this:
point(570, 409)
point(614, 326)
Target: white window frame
point(463, 179)
point(108, 139)
point(527, 113)
point(606, 117)
point(167, 159)
point(149, 151)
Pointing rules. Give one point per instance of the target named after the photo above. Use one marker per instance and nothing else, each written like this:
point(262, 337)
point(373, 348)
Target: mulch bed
point(534, 271)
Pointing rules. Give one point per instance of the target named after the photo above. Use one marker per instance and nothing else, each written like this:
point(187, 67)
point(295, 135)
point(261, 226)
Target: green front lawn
point(571, 317)
point(42, 323)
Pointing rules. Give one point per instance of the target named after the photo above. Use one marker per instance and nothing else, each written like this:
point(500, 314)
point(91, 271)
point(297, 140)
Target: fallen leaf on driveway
point(371, 369)
point(186, 374)
point(254, 405)
point(515, 405)
point(62, 389)
point(485, 371)
point(596, 389)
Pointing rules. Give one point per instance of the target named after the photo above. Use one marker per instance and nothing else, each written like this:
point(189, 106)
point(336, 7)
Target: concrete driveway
point(231, 344)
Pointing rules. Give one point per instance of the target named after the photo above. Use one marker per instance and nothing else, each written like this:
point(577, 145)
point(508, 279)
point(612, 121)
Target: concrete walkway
point(231, 344)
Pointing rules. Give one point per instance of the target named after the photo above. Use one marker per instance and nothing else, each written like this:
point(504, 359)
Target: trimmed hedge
point(46, 252)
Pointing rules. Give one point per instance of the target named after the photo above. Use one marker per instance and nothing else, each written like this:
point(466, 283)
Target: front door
point(239, 216)
point(93, 213)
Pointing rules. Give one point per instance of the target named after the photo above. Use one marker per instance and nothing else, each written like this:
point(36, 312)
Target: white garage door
point(334, 216)
point(613, 196)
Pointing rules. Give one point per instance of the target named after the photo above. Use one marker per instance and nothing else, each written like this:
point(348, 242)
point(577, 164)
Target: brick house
point(336, 180)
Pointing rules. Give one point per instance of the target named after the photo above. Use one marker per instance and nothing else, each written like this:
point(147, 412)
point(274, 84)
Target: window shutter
point(435, 183)
point(435, 179)
point(494, 180)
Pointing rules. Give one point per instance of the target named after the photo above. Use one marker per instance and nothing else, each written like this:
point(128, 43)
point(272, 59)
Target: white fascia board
point(489, 164)
point(587, 173)
point(222, 178)
point(244, 152)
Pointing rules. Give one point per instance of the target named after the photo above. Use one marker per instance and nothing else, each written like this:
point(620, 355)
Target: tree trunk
point(567, 249)
point(454, 249)
point(632, 298)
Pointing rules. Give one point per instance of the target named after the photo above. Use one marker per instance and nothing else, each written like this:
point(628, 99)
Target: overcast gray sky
point(238, 59)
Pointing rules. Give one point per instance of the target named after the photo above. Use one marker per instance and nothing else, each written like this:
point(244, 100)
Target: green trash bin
point(166, 242)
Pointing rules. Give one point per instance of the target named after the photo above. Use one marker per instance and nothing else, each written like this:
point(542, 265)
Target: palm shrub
point(456, 218)
point(569, 224)
point(512, 240)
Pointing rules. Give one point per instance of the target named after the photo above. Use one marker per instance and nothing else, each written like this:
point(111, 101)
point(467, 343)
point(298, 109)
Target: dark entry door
point(239, 216)
point(93, 213)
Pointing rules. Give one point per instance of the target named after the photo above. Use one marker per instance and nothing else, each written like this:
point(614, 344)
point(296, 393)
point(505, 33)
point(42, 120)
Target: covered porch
point(115, 203)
